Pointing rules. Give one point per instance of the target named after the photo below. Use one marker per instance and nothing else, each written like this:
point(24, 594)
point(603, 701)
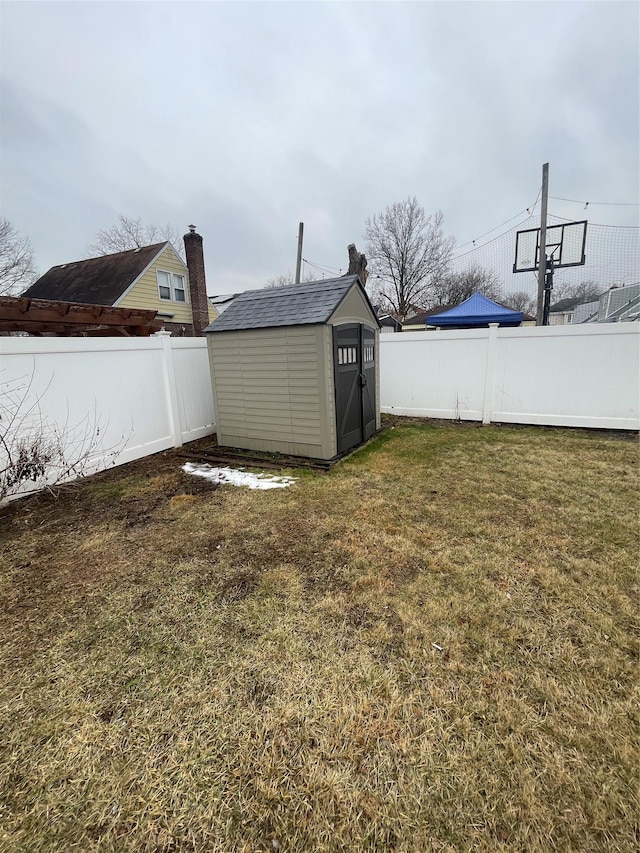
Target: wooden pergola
point(47, 317)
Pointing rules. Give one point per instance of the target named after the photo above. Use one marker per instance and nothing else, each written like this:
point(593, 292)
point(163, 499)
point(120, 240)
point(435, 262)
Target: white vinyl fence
point(108, 400)
point(578, 376)
point(112, 400)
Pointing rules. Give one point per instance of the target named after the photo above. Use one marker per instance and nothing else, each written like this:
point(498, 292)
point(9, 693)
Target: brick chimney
point(197, 281)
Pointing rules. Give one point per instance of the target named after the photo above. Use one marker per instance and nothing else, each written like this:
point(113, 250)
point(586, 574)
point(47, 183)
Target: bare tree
point(132, 234)
point(454, 288)
point(17, 267)
point(409, 254)
point(288, 278)
point(583, 291)
point(522, 301)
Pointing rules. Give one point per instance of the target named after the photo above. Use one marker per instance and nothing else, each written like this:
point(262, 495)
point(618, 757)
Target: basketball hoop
point(564, 247)
point(565, 243)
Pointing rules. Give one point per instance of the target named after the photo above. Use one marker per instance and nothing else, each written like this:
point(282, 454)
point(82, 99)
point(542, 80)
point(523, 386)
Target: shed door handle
point(363, 380)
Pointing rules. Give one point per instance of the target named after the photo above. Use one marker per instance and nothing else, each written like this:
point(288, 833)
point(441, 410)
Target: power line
point(493, 240)
point(599, 203)
point(528, 210)
point(510, 219)
point(613, 251)
point(315, 266)
point(597, 224)
point(321, 268)
point(326, 266)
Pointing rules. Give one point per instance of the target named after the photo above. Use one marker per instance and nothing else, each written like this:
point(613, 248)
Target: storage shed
point(295, 369)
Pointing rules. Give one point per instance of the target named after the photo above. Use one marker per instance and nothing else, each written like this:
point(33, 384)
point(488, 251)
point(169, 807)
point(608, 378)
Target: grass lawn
point(433, 647)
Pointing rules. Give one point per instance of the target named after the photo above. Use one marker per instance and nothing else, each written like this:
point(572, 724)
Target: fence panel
point(113, 399)
point(195, 396)
point(581, 376)
point(433, 374)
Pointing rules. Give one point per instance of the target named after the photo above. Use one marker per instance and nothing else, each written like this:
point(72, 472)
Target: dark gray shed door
point(355, 383)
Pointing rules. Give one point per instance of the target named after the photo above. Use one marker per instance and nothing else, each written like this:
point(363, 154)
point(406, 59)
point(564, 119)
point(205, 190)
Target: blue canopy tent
point(476, 312)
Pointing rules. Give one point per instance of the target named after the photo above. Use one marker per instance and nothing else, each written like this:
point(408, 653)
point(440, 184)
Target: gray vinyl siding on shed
point(272, 386)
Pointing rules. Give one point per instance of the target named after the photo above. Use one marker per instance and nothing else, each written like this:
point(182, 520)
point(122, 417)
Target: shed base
point(237, 456)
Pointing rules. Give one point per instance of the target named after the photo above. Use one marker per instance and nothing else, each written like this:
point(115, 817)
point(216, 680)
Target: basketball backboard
point(564, 244)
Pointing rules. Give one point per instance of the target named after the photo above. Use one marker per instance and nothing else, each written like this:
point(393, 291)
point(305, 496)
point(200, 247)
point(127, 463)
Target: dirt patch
point(133, 494)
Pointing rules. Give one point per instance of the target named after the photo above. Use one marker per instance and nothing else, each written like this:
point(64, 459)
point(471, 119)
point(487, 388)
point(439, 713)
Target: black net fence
point(612, 255)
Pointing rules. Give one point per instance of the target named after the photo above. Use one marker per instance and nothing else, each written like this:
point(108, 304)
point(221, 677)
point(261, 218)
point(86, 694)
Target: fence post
point(169, 378)
point(490, 370)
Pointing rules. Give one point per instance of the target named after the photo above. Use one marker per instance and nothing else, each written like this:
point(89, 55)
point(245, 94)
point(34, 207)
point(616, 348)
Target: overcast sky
point(246, 118)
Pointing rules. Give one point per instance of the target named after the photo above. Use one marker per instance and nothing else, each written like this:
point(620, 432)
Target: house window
point(171, 286)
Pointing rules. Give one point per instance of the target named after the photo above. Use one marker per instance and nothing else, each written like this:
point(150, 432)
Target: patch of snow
point(237, 477)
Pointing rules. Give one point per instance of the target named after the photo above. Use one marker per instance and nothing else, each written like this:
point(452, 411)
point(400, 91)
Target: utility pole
point(542, 256)
point(299, 260)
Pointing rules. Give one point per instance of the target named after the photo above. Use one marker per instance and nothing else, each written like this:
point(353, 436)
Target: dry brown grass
point(433, 647)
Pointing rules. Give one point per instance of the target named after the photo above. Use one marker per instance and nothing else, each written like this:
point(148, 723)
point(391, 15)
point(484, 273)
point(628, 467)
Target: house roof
point(415, 310)
point(568, 304)
point(293, 305)
point(421, 318)
point(219, 298)
point(96, 281)
point(388, 320)
point(477, 310)
point(416, 320)
point(628, 311)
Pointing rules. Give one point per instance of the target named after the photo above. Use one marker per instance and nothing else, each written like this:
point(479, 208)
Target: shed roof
point(96, 281)
point(293, 305)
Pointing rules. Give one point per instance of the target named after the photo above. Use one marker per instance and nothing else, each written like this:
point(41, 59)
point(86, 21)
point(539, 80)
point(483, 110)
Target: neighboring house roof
point(584, 310)
point(292, 305)
point(222, 301)
point(477, 310)
point(414, 311)
point(628, 312)
point(439, 309)
point(388, 320)
point(616, 298)
point(96, 281)
point(567, 304)
point(421, 317)
point(416, 320)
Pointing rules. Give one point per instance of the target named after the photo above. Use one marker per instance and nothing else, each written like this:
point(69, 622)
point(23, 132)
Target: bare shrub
point(36, 453)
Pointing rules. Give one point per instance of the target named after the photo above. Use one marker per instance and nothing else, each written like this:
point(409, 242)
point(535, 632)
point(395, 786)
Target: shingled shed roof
point(293, 305)
point(96, 281)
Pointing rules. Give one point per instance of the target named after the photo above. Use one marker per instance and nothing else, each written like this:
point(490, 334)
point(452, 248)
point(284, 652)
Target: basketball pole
point(542, 255)
point(548, 287)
